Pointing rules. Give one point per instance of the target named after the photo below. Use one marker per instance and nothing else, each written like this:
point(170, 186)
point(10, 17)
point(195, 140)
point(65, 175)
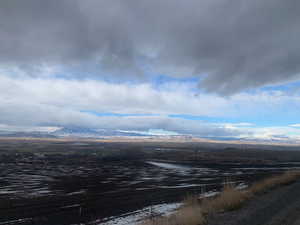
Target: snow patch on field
point(183, 186)
point(168, 165)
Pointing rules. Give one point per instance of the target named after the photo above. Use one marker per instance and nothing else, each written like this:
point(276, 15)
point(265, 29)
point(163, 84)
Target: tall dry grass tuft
point(229, 199)
point(189, 215)
point(191, 200)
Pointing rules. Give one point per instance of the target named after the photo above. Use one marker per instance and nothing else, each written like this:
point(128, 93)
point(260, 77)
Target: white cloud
point(99, 96)
point(54, 102)
point(295, 125)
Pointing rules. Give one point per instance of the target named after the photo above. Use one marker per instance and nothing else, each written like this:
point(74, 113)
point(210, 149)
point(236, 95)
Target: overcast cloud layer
point(212, 68)
point(236, 44)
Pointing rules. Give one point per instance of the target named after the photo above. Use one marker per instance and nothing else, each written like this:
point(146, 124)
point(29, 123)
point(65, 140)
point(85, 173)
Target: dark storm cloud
point(237, 44)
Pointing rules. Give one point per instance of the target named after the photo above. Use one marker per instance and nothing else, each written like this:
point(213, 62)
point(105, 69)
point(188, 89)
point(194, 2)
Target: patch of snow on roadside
point(241, 186)
point(139, 215)
point(209, 194)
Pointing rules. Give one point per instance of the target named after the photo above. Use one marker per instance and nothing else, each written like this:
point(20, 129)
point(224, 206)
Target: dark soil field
point(68, 182)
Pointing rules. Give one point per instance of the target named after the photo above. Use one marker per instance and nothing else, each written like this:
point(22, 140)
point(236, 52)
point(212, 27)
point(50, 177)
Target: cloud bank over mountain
point(98, 104)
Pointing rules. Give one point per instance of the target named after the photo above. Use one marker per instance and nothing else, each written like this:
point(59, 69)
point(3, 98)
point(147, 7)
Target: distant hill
point(89, 132)
point(79, 132)
point(32, 134)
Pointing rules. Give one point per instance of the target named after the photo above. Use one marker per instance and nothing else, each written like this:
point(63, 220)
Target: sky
point(210, 68)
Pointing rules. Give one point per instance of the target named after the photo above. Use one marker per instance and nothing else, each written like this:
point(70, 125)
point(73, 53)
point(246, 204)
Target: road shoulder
point(280, 206)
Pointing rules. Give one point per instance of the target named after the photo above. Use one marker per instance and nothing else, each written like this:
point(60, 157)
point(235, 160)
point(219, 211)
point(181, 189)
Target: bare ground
point(277, 207)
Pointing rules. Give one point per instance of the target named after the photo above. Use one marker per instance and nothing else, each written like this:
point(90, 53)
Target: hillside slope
point(278, 207)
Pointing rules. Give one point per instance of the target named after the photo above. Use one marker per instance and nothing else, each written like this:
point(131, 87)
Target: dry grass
point(191, 200)
point(229, 199)
point(187, 215)
point(270, 183)
point(193, 211)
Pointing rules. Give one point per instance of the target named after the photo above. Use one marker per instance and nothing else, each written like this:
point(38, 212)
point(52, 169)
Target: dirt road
point(278, 207)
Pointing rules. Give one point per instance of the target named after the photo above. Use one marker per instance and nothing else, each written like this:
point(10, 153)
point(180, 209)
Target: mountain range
point(79, 132)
